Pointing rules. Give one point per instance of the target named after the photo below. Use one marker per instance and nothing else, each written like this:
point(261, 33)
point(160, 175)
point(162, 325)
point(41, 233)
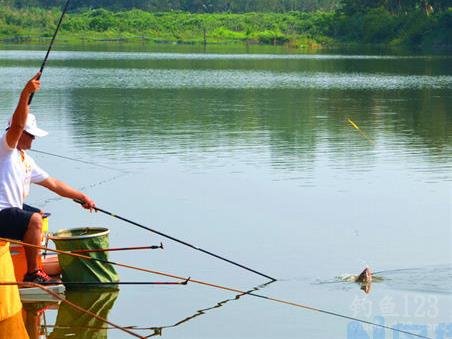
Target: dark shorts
point(14, 221)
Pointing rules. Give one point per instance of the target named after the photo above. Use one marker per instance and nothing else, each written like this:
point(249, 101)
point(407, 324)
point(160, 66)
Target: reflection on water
point(253, 155)
point(237, 104)
point(73, 323)
point(34, 316)
point(158, 331)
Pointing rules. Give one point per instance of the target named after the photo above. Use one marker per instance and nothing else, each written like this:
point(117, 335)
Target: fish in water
point(365, 276)
point(365, 279)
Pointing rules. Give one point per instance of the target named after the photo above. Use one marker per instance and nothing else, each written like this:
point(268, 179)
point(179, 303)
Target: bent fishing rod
point(209, 284)
point(177, 240)
point(50, 46)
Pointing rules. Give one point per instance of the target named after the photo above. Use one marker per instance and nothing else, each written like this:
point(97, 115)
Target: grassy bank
point(295, 29)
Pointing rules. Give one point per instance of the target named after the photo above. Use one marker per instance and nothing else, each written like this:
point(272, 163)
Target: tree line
point(399, 7)
point(193, 6)
point(349, 7)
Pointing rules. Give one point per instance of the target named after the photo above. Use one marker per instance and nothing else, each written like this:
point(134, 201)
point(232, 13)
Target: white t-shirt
point(17, 171)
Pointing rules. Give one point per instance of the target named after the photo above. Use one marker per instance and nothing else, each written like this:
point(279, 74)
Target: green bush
point(269, 37)
point(101, 20)
point(379, 26)
point(227, 34)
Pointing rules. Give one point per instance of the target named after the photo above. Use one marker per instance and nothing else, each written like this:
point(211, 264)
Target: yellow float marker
point(364, 134)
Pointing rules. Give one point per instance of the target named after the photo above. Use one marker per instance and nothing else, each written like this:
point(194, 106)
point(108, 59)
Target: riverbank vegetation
point(295, 23)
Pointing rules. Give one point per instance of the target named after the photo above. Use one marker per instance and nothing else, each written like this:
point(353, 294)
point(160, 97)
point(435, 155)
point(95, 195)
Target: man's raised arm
point(19, 117)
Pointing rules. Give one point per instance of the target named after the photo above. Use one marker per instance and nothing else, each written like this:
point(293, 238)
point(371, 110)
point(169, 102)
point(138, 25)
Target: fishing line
point(66, 6)
point(84, 188)
point(78, 160)
point(231, 289)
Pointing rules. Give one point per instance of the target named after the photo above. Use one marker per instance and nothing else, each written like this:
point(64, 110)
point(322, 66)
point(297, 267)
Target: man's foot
point(40, 277)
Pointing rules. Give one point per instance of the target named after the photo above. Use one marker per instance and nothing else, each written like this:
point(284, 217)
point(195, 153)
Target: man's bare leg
point(33, 236)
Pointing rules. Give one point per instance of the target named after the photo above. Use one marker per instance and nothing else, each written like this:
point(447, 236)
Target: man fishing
point(17, 170)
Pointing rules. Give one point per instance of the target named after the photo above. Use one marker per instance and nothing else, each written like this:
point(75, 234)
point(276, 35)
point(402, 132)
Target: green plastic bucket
point(83, 270)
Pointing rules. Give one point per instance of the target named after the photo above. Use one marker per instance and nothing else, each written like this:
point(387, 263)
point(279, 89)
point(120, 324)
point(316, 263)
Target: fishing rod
point(89, 283)
point(120, 249)
point(70, 304)
point(225, 288)
point(77, 160)
point(50, 46)
point(81, 256)
point(177, 240)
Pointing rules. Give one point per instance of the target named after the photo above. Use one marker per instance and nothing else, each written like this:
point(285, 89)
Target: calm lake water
point(248, 153)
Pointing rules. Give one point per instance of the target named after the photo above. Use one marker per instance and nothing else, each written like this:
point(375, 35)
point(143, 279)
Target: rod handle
point(30, 99)
point(81, 202)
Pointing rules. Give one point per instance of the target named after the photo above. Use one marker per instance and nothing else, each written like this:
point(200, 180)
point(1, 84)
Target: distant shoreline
point(297, 30)
point(32, 40)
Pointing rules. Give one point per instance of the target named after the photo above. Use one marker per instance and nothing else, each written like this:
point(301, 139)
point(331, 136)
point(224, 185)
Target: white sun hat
point(31, 126)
